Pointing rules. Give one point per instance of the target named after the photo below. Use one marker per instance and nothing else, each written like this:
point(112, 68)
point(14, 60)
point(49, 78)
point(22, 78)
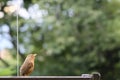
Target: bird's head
point(31, 56)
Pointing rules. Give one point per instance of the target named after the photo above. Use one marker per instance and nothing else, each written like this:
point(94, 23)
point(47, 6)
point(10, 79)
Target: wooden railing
point(94, 76)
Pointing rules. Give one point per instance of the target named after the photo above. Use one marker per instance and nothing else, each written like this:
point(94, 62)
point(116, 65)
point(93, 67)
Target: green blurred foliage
point(75, 37)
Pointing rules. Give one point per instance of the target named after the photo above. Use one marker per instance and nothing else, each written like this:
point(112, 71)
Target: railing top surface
point(82, 77)
point(45, 76)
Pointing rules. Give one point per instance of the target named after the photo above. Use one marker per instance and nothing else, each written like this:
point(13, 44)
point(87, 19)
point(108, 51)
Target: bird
point(28, 65)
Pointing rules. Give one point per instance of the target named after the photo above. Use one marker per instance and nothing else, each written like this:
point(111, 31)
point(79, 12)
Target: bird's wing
point(26, 67)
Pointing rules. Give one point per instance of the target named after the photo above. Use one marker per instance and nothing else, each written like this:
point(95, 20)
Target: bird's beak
point(34, 54)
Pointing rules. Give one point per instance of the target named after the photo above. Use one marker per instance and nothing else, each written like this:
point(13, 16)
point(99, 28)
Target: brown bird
point(28, 65)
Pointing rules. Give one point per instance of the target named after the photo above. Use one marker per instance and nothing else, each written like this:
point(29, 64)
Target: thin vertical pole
point(17, 44)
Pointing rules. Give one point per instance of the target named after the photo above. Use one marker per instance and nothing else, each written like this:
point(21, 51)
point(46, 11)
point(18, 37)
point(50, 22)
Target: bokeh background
point(70, 37)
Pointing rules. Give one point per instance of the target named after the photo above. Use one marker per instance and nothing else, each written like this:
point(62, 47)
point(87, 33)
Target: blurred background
point(70, 37)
